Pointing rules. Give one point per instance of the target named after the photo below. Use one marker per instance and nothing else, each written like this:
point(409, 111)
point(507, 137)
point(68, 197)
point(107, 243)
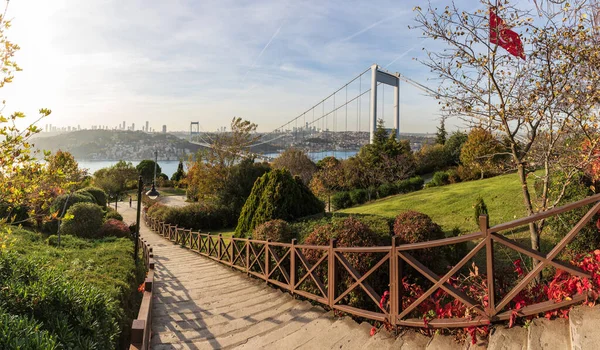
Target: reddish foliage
point(114, 227)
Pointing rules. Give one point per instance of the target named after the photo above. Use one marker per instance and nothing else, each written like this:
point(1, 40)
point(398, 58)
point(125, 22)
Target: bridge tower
point(194, 128)
point(379, 75)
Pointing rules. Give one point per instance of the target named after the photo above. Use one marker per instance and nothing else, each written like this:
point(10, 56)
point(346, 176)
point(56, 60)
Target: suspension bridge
point(339, 124)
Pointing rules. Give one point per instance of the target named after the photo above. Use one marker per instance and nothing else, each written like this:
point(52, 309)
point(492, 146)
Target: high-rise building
point(132, 126)
point(164, 129)
point(147, 130)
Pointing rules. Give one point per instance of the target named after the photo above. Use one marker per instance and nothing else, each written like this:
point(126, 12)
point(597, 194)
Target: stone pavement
point(201, 304)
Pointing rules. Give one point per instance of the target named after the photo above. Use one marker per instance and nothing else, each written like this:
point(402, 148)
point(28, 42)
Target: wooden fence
point(286, 265)
point(142, 326)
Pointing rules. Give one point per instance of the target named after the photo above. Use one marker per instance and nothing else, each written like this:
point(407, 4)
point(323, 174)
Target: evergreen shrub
point(113, 214)
point(87, 218)
point(358, 196)
point(100, 197)
point(414, 227)
point(410, 185)
point(23, 332)
point(277, 195)
point(386, 190)
point(341, 200)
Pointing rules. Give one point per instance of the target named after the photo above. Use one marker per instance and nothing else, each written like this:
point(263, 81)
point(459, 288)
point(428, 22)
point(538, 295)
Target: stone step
point(266, 340)
point(504, 338)
point(546, 334)
point(304, 334)
point(207, 318)
point(356, 339)
point(381, 340)
point(584, 326)
point(239, 331)
point(326, 338)
point(443, 342)
point(411, 340)
point(225, 325)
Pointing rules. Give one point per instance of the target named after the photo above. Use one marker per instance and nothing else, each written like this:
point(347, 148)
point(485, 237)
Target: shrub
point(413, 227)
point(349, 232)
point(453, 176)
point(197, 216)
point(14, 214)
point(113, 214)
point(59, 205)
point(114, 228)
point(23, 332)
point(79, 315)
point(455, 252)
point(67, 241)
point(358, 196)
point(386, 190)
point(276, 230)
point(467, 174)
point(87, 218)
point(277, 195)
point(413, 184)
point(440, 178)
point(341, 200)
point(100, 197)
point(479, 209)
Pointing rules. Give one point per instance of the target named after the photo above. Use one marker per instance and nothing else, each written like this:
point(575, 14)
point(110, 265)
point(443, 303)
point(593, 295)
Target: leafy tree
point(538, 104)
point(179, 174)
point(146, 170)
point(481, 151)
point(431, 158)
point(276, 195)
point(117, 179)
point(297, 162)
point(238, 185)
point(328, 179)
point(20, 186)
point(441, 134)
point(453, 146)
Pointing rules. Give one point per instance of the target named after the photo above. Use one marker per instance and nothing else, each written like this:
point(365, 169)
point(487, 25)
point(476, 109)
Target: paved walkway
point(201, 304)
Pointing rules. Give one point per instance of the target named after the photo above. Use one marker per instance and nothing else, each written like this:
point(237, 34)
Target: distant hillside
point(115, 145)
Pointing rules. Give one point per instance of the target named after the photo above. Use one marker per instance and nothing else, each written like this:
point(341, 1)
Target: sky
point(176, 61)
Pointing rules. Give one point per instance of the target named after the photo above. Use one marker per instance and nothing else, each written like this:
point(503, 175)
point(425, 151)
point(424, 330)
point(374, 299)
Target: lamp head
point(153, 193)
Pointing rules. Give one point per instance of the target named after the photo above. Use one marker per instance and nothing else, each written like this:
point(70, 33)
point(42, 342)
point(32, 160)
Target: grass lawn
point(452, 206)
point(171, 191)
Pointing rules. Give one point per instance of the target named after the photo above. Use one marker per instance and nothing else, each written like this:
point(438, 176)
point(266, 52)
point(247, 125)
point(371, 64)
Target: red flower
point(141, 288)
point(373, 331)
point(518, 267)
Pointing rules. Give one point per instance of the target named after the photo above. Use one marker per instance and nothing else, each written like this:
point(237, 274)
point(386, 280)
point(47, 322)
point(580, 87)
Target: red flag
point(503, 36)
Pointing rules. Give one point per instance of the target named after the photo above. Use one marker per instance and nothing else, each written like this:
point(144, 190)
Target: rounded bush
point(113, 214)
point(276, 230)
point(413, 227)
point(100, 197)
point(341, 200)
point(114, 228)
point(410, 185)
point(87, 218)
point(358, 196)
point(349, 233)
point(386, 190)
point(59, 203)
point(440, 178)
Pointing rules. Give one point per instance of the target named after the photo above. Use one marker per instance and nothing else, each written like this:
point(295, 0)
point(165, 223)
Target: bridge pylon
point(379, 75)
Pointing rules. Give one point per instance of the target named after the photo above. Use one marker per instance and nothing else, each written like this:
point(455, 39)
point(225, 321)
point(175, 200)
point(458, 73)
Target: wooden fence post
point(293, 266)
point(247, 257)
point(331, 272)
point(484, 225)
point(267, 260)
point(220, 247)
point(394, 283)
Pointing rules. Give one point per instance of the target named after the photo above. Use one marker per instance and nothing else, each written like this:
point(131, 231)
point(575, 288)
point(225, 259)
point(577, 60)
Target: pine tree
point(441, 132)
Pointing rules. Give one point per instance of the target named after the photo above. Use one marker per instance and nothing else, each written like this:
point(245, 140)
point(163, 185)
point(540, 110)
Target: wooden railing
point(142, 326)
point(286, 266)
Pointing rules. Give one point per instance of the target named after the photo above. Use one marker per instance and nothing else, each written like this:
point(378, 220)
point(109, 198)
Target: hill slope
point(452, 206)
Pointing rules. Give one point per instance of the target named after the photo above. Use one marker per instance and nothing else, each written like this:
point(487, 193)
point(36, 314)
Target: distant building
point(147, 130)
point(132, 126)
point(164, 129)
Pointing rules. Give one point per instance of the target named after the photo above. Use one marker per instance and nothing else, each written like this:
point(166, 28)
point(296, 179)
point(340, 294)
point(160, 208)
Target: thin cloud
point(371, 26)
point(262, 51)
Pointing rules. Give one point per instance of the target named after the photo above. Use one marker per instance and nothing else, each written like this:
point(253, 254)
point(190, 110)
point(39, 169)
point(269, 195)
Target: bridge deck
point(201, 304)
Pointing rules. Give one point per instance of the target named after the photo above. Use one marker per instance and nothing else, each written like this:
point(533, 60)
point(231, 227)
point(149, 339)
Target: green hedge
point(86, 220)
point(21, 332)
point(195, 216)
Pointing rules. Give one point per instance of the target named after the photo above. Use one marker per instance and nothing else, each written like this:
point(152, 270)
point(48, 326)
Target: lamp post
point(155, 164)
point(152, 194)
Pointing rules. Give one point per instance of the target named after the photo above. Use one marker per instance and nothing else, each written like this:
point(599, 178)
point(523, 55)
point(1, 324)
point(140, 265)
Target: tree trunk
point(116, 201)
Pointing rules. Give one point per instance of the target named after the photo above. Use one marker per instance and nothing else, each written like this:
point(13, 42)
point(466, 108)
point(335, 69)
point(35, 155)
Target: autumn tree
point(297, 162)
point(19, 167)
point(210, 168)
point(481, 152)
point(327, 179)
point(536, 103)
